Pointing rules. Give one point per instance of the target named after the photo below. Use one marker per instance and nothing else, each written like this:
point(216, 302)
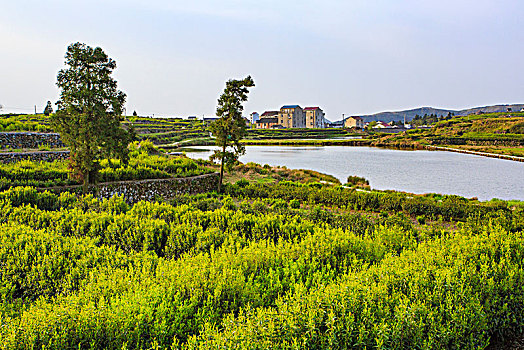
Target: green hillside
point(494, 133)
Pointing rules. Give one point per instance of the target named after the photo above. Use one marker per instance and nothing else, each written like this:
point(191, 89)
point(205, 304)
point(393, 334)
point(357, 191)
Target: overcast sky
point(346, 56)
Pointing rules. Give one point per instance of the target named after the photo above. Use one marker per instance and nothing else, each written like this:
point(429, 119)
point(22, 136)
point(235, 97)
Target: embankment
point(484, 154)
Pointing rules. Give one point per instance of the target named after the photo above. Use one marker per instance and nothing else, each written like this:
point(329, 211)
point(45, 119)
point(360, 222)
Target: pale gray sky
point(346, 56)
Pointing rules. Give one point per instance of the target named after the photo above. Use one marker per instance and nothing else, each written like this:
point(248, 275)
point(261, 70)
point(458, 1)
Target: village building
point(268, 120)
point(354, 122)
point(254, 117)
point(292, 116)
point(267, 123)
point(315, 117)
point(269, 114)
point(381, 125)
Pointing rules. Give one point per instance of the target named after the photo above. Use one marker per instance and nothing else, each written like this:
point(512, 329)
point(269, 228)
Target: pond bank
point(302, 142)
point(367, 142)
point(484, 154)
point(424, 171)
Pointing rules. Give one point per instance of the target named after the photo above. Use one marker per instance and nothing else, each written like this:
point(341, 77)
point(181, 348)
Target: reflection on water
point(410, 171)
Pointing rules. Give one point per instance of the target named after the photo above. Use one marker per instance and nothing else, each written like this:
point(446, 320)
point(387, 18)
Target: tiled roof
point(311, 108)
point(269, 113)
point(290, 106)
point(267, 120)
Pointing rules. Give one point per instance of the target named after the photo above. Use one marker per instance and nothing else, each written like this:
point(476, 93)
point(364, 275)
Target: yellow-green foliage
point(142, 165)
point(78, 273)
point(487, 124)
point(38, 123)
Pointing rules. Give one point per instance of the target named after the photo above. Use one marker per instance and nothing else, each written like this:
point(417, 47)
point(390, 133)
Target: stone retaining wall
point(148, 190)
point(18, 140)
point(45, 156)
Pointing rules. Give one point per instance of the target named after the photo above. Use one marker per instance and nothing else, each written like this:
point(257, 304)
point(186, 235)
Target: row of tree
point(428, 119)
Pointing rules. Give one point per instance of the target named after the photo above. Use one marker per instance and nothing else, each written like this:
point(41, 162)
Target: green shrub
point(201, 273)
point(356, 180)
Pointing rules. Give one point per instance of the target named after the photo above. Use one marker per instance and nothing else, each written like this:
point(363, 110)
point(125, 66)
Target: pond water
point(410, 171)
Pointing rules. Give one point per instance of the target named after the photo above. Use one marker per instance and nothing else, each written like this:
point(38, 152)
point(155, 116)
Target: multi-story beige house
point(292, 116)
point(315, 117)
point(354, 122)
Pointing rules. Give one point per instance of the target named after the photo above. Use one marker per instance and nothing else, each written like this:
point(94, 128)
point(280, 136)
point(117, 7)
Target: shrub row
point(449, 208)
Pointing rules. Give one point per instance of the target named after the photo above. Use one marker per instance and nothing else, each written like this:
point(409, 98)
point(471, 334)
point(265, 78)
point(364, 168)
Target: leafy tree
point(89, 111)
point(48, 108)
point(372, 124)
point(398, 123)
point(230, 127)
point(135, 114)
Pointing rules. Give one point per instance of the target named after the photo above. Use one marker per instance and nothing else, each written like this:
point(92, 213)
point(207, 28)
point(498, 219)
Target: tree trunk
point(85, 185)
point(221, 168)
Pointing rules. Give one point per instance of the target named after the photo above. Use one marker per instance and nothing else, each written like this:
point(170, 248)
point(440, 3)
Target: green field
point(286, 265)
point(144, 163)
point(15, 122)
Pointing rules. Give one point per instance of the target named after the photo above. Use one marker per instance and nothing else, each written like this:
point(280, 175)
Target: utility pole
point(35, 109)
point(343, 121)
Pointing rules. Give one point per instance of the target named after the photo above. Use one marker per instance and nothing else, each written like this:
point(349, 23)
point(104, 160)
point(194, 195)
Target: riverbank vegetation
point(274, 134)
point(286, 265)
point(500, 133)
point(266, 174)
point(305, 142)
point(357, 182)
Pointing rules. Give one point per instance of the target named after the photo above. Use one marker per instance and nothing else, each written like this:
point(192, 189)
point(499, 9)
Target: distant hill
point(411, 113)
